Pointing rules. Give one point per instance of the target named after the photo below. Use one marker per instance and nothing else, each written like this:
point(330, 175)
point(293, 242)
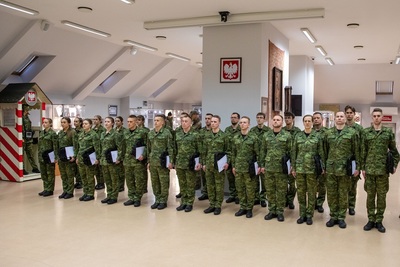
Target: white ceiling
point(82, 61)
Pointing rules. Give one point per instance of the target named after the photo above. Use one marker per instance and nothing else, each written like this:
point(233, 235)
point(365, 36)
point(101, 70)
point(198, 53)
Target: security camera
point(224, 15)
point(44, 25)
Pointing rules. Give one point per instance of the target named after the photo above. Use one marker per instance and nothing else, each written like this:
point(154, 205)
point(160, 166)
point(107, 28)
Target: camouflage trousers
point(121, 175)
point(337, 188)
point(47, 172)
point(67, 172)
point(78, 178)
point(353, 191)
point(276, 185)
point(160, 183)
point(231, 183)
point(99, 174)
point(245, 186)
point(202, 174)
point(87, 175)
point(260, 191)
point(376, 187)
point(321, 190)
point(136, 181)
point(306, 192)
point(111, 178)
point(28, 150)
point(215, 186)
point(291, 189)
point(187, 183)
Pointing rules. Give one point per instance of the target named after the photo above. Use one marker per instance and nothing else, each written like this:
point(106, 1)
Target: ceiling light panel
point(177, 56)
point(139, 45)
point(85, 28)
point(321, 50)
point(309, 35)
point(330, 61)
point(18, 8)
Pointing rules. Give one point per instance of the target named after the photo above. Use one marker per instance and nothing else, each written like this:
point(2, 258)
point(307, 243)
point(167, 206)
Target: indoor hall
point(37, 232)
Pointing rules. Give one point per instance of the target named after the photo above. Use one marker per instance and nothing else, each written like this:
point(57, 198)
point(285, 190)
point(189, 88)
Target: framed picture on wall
point(277, 75)
point(231, 70)
point(112, 110)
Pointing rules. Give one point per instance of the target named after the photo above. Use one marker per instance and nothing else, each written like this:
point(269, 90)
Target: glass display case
point(328, 118)
point(61, 110)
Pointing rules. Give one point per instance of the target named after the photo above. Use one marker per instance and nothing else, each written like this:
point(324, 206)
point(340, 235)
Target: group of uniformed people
point(262, 164)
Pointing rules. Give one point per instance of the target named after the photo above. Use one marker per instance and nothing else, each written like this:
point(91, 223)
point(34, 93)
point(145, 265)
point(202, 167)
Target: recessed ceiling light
point(321, 50)
point(85, 9)
point(309, 35)
point(161, 37)
point(330, 61)
point(353, 25)
point(128, 1)
point(361, 59)
point(143, 46)
point(85, 28)
point(199, 64)
point(358, 46)
point(177, 56)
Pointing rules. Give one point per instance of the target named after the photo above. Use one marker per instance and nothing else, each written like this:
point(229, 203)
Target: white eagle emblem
point(230, 71)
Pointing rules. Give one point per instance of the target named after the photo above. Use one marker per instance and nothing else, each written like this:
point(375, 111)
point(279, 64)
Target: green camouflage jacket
point(111, 140)
point(47, 141)
point(87, 140)
point(273, 148)
point(245, 149)
point(129, 140)
point(259, 132)
point(304, 150)
point(374, 150)
point(321, 133)
point(295, 130)
point(66, 138)
point(26, 127)
point(214, 143)
point(340, 147)
point(120, 130)
point(187, 145)
point(157, 144)
point(99, 130)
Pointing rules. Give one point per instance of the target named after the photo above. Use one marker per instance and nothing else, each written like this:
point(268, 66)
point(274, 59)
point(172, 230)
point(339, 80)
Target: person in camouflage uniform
point(66, 165)
point(245, 150)
point(203, 131)
point(140, 124)
point(377, 140)
point(350, 112)
point(341, 145)
point(216, 142)
point(231, 131)
point(187, 148)
point(87, 140)
point(275, 145)
point(306, 146)
point(293, 130)
point(159, 143)
point(196, 121)
point(78, 129)
point(119, 128)
point(47, 143)
point(134, 165)
point(321, 179)
point(27, 136)
point(109, 141)
point(98, 128)
point(259, 131)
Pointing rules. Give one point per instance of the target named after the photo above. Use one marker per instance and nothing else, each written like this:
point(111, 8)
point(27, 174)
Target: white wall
point(250, 42)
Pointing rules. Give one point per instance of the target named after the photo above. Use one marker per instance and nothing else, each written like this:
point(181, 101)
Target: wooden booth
point(12, 97)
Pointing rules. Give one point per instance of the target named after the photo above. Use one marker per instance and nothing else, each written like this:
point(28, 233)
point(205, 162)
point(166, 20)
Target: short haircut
point(261, 114)
point(308, 115)
point(245, 117)
point(377, 110)
point(160, 116)
point(289, 114)
point(278, 115)
point(120, 118)
point(184, 114)
point(349, 107)
point(209, 114)
point(317, 113)
point(218, 117)
point(139, 117)
point(235, 113)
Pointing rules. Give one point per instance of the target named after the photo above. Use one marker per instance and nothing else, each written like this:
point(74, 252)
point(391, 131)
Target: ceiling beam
point(106, 70)
point(241, 18)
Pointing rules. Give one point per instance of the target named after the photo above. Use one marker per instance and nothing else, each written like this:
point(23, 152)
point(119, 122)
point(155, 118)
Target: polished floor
point(37, 231)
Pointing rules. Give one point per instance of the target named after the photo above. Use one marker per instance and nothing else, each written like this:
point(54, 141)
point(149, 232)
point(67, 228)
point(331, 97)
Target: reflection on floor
point(37, 231)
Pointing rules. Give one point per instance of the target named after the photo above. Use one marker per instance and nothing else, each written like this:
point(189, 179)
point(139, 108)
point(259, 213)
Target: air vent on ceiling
point(384, 87)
